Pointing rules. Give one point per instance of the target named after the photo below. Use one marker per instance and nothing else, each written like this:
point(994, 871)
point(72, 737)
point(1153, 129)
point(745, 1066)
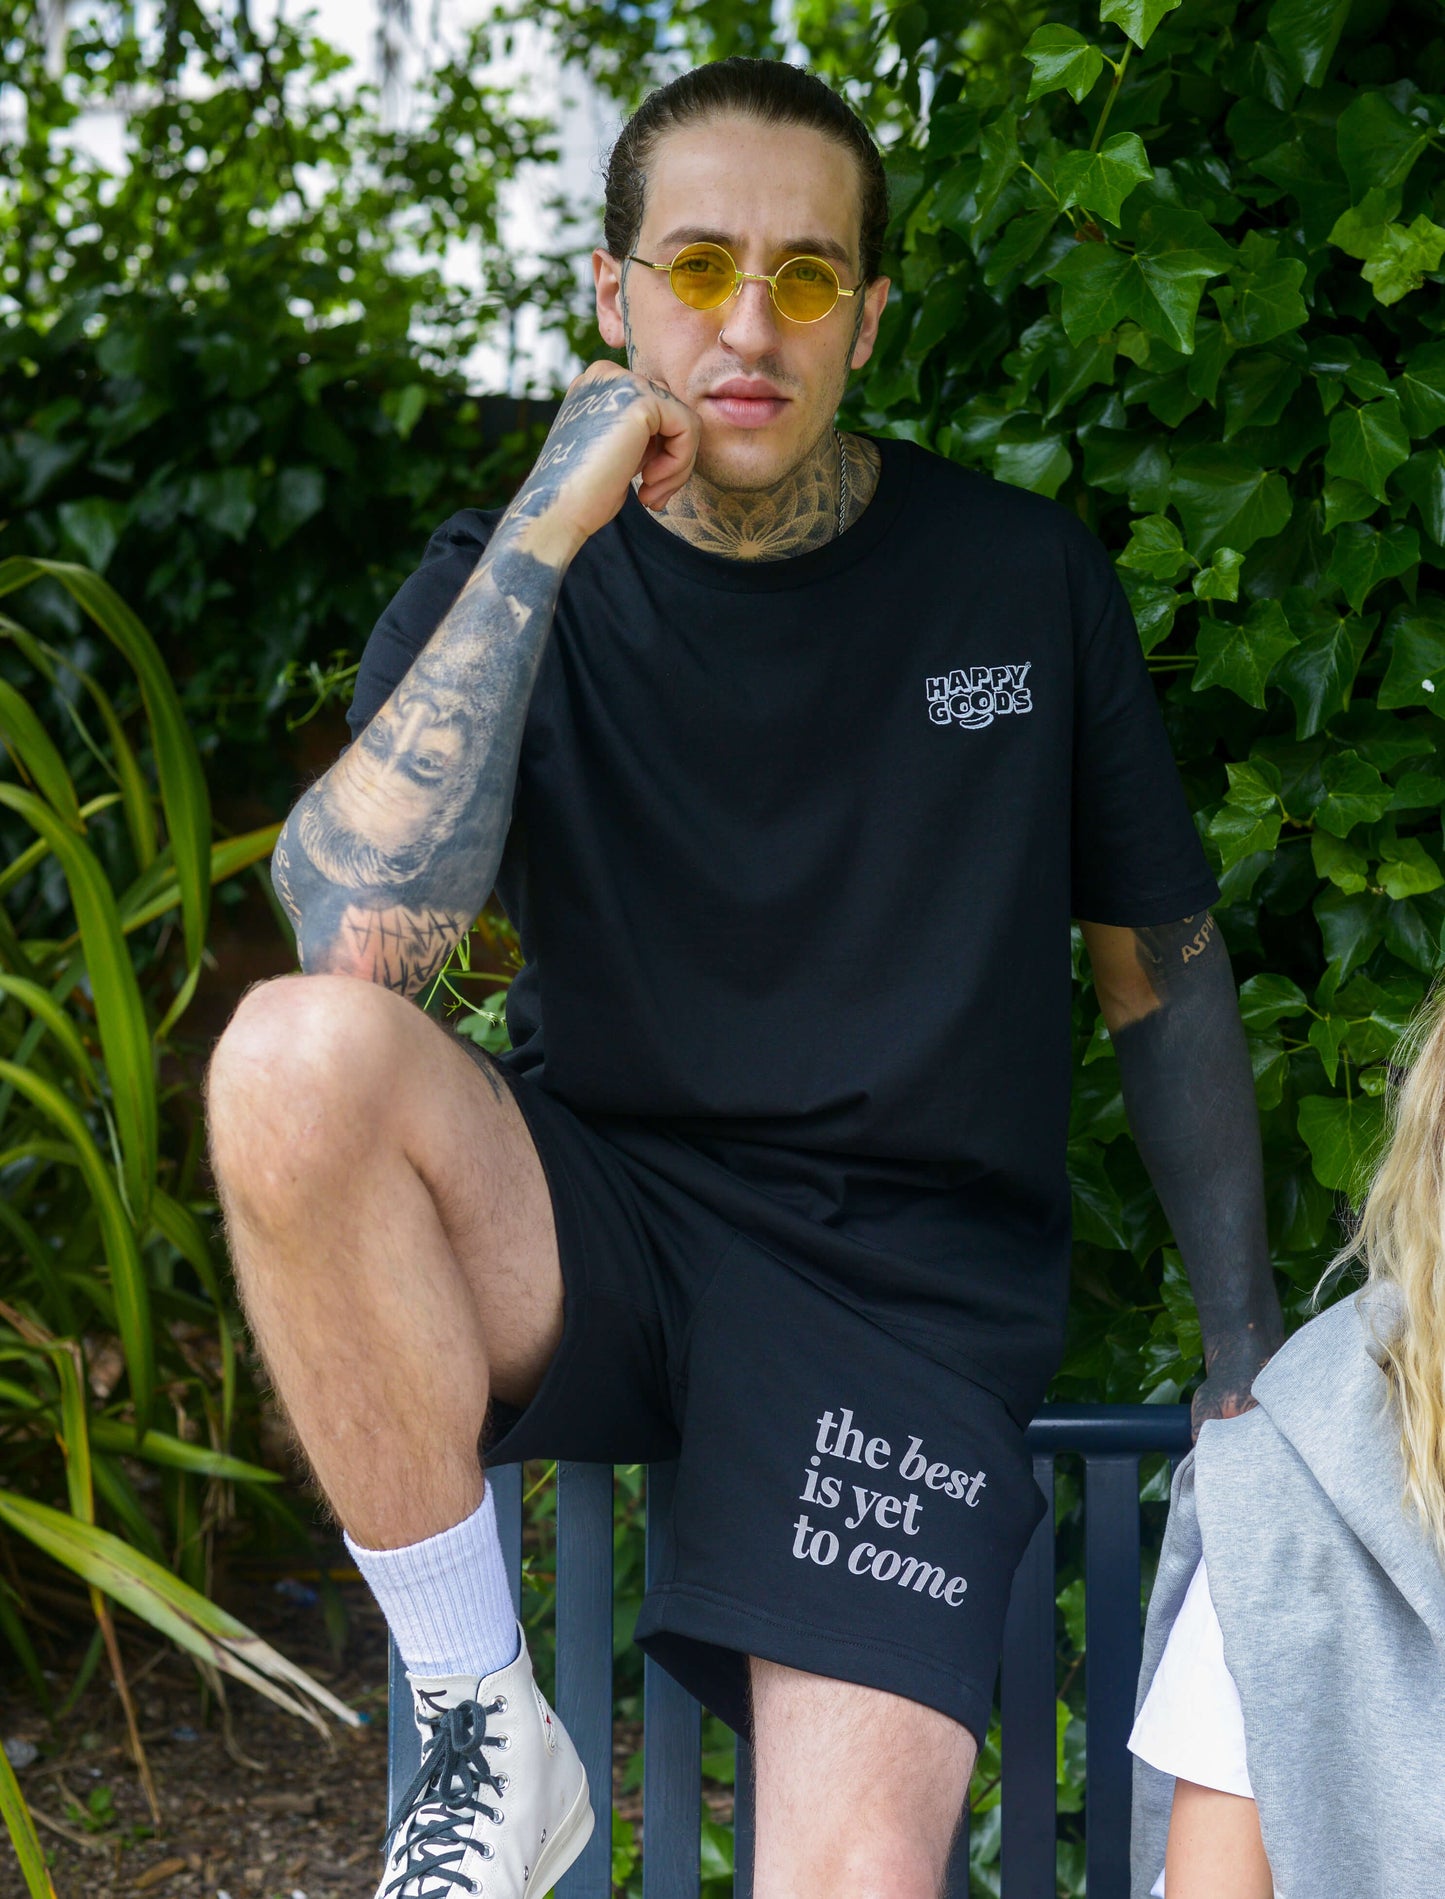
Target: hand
point(1225, 1392)
point(612, 426)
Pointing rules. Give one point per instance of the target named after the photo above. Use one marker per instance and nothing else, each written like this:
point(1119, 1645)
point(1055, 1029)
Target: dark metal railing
point(1110, 1438)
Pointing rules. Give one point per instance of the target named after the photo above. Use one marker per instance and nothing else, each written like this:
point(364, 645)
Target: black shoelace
point(438, 1807)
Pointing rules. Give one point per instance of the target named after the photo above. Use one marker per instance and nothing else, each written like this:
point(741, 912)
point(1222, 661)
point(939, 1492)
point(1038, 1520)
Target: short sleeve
point(1191, 1724)
point(416, 611)
point(1136, 856)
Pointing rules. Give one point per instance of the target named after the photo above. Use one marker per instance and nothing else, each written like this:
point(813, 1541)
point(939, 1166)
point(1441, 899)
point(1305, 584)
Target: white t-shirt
point(1191, 1724)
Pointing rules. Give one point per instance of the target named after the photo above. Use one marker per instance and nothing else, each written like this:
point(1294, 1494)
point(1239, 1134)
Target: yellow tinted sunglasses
point(704, 276)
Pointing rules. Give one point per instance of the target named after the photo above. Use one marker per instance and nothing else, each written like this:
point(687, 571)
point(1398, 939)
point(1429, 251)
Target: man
point(791, 755)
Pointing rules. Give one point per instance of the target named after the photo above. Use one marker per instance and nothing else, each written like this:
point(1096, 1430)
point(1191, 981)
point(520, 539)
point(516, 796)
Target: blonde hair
point(1400, 1239)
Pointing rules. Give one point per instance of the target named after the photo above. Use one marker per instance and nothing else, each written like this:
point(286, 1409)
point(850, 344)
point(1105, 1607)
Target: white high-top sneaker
point(500, 1805)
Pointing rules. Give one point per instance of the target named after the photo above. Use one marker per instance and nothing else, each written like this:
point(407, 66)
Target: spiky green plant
point(115, 1302)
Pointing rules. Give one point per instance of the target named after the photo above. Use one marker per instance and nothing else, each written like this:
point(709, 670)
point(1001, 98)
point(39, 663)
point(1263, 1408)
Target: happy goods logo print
point(973, 696)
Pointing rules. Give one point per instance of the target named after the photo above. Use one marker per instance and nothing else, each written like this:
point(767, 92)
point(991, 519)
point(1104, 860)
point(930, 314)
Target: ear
point(874, 298)
point(607, 279)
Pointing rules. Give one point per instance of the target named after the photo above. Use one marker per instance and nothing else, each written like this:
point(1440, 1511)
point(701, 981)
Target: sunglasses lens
point(807, 289)
point(703, 276)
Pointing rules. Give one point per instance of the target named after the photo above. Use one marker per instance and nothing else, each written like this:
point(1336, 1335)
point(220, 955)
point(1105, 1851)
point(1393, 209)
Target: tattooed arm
point(1168, 998)
point(386, 859)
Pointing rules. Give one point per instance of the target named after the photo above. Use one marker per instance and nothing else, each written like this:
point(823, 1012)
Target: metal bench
point(1111, 1440)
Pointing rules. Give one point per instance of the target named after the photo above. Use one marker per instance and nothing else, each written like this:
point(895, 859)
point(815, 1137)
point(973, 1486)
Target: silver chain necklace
point(842, 482)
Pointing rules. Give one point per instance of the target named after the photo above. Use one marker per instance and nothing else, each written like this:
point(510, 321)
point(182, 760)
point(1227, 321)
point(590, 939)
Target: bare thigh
point(327, 1093)
point(859, 1792)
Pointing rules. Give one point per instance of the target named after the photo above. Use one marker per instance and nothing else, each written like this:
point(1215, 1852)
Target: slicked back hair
point(773, 93)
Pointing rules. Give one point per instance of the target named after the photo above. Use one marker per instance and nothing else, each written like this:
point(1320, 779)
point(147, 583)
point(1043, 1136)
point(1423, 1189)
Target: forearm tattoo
point(1189, 1092)
point(385, 861)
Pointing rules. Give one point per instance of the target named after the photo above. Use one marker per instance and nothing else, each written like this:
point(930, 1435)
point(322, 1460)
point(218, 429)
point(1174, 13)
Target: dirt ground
point(276, 1814)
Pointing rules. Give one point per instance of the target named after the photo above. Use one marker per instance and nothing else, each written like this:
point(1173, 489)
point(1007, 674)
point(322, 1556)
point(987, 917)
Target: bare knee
point(813, 1834)
point(300, 1083)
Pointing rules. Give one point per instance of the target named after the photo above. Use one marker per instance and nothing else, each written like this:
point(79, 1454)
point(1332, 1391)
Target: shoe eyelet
point(504, 1741)
point(499, 1705)
point(487, 1852)
point(503, 1782)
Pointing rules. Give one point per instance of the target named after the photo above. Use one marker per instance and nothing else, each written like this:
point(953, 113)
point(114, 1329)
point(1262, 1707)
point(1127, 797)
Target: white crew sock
point(446, 1599)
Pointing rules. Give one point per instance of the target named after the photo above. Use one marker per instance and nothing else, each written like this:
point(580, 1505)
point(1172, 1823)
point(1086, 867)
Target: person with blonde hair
point(1289, 1738)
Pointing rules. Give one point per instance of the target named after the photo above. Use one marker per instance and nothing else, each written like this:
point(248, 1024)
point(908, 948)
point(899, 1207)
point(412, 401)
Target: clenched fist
point(612, 426)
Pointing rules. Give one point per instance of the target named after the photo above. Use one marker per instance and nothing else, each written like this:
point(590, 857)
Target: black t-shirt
point(793, 856)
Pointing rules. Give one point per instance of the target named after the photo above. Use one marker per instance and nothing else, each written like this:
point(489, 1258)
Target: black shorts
point(843, 1503)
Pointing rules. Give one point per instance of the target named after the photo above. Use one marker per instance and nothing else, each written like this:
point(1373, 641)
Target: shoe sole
point(564, 1847)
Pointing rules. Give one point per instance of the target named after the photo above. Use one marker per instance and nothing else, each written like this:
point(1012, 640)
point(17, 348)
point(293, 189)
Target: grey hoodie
point(1331, 1601)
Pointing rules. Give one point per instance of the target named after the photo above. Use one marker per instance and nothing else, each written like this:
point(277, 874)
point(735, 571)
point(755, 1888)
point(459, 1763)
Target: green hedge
point(231, 379)
point(1180, 270)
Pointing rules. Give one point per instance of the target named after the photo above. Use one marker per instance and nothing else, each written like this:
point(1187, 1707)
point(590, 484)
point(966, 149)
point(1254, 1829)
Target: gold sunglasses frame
point(741, 277)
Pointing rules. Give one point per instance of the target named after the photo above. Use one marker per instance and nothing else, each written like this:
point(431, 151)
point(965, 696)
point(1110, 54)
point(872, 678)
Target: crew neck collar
point(657, 544)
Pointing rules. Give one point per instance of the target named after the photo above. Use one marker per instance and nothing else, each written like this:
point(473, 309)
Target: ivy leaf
point(1264, 1000)
point(1101, 181)
point(92, 528)
point(1421, 386)
point(1130, 463)
point(1401, 258)
point(1368, 379)
point(1043, 465)
point(1377, 143)
point(1422, 481)
point(1154, 224)
point(1238, 833)
point(1367, 443)
point(1325, 1034)
point(1306, 33)
point(1319, 673)
point(1355, 793)
point(1357, 230)
point(1212, 351)
point(1153, 607)
point(1156, 548)
point(225, 498)
point(1342, 1137)
point(1270, 1063)
point(1418, 791)
point(1098, 1214)
point(1361, 558)
point(1220, 580)
point(1416, 673)
point(1351, 927)
point(1407, 869)
point(1339, 861)
point(1062, 57)
point(1241, 656)
point(290, 501)
point(1138, 18)
point(1225, 497)
point(1258, 305)
point(1257, 391)
point(999, 145)
point(1071, 371)
point(1411, 938)
point(1017, 242)
point(1254, 785)
point(1375, 735)
point(404, 407)
point(1345, 501)
point(1158, 289)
